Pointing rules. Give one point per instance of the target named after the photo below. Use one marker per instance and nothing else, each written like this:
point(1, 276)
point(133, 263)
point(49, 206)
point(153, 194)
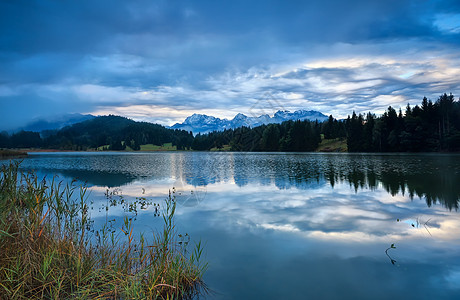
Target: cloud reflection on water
point(280, 226)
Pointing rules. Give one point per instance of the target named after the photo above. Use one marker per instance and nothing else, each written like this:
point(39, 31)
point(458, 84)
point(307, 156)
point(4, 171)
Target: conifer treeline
point(429, 127)
point(296, 136)
point(426, 128)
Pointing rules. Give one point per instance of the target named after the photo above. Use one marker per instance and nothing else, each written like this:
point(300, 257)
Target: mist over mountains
point(199, 123)
point(54, 123)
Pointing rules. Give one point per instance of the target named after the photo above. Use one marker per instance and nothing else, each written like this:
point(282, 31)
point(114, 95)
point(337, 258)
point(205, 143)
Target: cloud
point(331, 56)
point(448, 23)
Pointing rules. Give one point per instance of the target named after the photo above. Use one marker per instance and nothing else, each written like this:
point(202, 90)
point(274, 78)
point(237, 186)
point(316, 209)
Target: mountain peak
point(240, 116)
point(200, 123)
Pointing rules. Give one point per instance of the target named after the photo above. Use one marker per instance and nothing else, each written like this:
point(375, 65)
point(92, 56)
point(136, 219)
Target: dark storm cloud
point(162, 30)
point(86, 56)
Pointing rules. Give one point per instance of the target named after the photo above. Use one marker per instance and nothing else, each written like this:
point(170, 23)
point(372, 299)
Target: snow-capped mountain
point(198, 123)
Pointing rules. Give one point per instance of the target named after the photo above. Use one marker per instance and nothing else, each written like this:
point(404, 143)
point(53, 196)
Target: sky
point(161, 61)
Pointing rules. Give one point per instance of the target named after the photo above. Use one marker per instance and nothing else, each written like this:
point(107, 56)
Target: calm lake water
point(294, 226)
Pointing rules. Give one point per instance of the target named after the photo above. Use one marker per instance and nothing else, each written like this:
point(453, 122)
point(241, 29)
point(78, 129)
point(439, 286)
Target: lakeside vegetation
point(8, 153)
point(49, 248)
point(430, 127)
point(333, 145)
point(164, 147)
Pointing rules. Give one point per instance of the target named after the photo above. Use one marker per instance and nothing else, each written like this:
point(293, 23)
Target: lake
point(293, 225)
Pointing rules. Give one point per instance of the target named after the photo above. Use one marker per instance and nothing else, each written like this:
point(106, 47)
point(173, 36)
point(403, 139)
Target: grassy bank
point(146, 147)
point(164, 147)
point(332, 145)
point(8, 153)
point(48, 248)
point(224, 148)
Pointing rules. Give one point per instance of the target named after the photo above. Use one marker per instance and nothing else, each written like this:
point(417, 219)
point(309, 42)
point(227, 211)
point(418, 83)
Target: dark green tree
point(271, 138)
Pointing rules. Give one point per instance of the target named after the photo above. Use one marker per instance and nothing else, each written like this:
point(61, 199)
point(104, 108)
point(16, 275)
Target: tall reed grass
point(48, 250)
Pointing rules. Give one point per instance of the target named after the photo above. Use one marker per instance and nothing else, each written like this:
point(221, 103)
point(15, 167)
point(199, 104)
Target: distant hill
point(55, 123)
point(115, 133)
point(199, 123)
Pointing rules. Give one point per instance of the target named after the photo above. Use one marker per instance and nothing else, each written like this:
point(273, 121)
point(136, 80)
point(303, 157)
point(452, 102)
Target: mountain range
point(199, 123)
point(196, 123)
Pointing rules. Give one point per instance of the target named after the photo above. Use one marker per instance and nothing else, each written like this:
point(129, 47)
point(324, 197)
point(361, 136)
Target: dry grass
point(48, 250)
point(164, 147)
point(7, 153)
point(333, 145)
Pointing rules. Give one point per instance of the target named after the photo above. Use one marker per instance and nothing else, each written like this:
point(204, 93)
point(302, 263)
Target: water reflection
point(290, 226)
point(272, 244)
point(92, 178)
point(431, 177)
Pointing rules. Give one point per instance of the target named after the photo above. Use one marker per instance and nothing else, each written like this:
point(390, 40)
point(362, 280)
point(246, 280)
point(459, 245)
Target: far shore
point(9, 153)
point(54, 150)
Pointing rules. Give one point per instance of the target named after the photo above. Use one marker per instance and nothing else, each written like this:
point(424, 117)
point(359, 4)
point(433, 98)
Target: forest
point(109, 132)
point(428, 127)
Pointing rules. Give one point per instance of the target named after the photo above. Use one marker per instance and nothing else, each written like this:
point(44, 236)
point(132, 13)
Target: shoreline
point(24, 152)
point(11, 153)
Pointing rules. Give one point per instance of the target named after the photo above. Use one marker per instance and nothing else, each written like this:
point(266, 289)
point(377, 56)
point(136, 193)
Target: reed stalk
point(48, 250)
